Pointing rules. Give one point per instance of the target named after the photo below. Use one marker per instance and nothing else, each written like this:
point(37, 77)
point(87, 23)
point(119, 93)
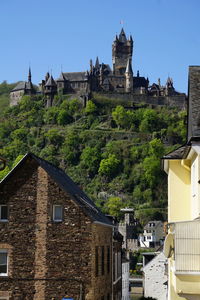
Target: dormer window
point(57, 213)
point(3, 213)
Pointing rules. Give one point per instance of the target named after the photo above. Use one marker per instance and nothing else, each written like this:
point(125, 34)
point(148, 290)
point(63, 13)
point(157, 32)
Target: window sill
point(3, 221)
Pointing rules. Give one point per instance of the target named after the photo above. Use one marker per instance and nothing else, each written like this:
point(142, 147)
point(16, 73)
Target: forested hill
point(112, 152)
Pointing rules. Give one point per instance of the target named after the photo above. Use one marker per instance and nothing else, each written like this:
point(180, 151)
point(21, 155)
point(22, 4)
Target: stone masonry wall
point(101, 282)
point(68, 250)
point(18, 235)
point(50, 259)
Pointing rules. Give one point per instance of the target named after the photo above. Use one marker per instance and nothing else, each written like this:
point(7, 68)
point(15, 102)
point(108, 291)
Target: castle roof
point(140, 82)
point(66, 184)
point(129, 67)
point(50, 82)
point(23, 86)
point(75, 76)
point(122, 36)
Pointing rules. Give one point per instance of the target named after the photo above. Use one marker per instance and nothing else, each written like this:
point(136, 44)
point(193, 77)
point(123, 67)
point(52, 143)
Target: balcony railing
point(187, 247)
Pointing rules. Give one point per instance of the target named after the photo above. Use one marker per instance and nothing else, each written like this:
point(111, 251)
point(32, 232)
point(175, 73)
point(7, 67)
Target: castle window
point(3, 213)
point(3, 262)
point(57, 213)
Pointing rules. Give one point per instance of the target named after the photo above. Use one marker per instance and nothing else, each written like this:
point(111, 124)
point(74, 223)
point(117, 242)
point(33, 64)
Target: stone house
point(153, 234)
point(54, 242)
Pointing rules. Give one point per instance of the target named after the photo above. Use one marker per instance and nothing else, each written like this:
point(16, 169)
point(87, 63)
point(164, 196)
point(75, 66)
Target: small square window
point(57, 213)
point(3, 213)
point(3, 262)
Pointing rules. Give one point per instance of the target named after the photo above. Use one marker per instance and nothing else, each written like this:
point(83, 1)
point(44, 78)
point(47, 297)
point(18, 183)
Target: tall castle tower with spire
point(122, 50)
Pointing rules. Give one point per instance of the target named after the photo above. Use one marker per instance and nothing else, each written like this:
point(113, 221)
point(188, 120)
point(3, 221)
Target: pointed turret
point(97, 65)
point(129, 77)
point(129, 67)
point(122, 36)
point(29, 75)
point(47, 77)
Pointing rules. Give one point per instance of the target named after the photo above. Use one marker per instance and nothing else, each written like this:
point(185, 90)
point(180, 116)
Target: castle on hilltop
point(101, 78)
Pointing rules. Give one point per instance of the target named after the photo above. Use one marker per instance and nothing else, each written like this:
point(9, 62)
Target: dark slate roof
point(23, 86)
point(140, 82)
point(75, 76)
point(61, 77)
point(122, 36)
point(147, 226)
point(20, 86)
point(50, 82)
point(67, 185)
point(194, 103)
point(179, 153)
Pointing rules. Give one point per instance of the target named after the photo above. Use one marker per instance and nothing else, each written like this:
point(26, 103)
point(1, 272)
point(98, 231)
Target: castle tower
point(29, 90)
point(129, 77)
point(122, 50)
point(50, 90)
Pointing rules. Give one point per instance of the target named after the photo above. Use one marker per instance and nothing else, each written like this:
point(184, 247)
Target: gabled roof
point(50, 82)
point(20, 86)
point(23, 86)
point(67, 185)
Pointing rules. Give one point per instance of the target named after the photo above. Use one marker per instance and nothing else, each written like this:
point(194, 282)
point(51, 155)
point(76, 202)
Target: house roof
point(67, 185)
point(155, 222)
point(194, 103)
point(179, 153)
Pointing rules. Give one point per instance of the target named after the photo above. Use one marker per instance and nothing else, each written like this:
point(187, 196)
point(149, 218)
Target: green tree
point(109, 166)
point(90, 108)
point(113, 206)
point(90, 159)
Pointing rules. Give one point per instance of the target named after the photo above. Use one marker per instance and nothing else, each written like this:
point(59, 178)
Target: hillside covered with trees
point(111, 150)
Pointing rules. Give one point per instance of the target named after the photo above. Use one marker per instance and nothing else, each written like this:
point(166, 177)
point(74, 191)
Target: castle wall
point(176, 100)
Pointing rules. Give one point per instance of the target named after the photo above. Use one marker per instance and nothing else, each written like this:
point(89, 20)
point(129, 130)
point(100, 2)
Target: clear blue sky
point(47, 34)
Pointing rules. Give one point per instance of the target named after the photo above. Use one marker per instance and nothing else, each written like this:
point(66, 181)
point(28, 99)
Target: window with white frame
point(57, 213)
point(3, 213)
point(3, 262)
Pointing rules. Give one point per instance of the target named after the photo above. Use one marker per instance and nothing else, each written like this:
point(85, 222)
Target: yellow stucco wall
point(179, 192)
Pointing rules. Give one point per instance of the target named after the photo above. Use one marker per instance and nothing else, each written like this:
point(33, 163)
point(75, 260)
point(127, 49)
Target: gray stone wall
point(173, 101)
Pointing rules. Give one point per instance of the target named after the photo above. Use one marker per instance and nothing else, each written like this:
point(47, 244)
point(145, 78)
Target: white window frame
point(4, 251)
point(54, 207)
point(3, 220)
point(4, 298)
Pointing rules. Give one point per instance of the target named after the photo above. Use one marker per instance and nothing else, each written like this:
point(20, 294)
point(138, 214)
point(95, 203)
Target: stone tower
point(129, 77)
point(122, 50)
point(50, 90)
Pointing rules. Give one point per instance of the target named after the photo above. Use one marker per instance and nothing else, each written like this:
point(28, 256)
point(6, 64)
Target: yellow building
point(182, 244)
